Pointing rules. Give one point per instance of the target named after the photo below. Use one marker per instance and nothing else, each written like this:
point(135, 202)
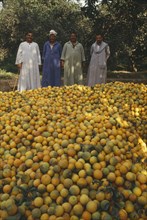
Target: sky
point(80, 1)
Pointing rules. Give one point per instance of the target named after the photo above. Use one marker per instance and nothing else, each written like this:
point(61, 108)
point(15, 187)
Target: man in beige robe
point(97, 71)
point(72, 59)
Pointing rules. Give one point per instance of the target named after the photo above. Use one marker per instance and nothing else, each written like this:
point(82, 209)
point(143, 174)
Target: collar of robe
point(101, 47)
point(52, 44)
point(73, 45)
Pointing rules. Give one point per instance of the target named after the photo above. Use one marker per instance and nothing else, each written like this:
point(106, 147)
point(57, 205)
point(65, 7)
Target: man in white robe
point(72, 60)
point(97, 71)
point(28, 60)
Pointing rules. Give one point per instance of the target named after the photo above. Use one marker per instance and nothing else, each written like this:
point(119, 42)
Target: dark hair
point(98, 33)
point(28, 32)
point(73, 32)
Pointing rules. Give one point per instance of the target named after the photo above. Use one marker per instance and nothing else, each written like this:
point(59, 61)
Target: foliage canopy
point(122, 22)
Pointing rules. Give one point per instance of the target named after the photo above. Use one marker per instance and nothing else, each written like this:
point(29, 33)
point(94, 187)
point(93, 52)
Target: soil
point(7, 85)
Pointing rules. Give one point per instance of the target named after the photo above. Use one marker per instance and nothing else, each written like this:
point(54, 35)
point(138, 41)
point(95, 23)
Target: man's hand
point(19, 66)
point(62, 64)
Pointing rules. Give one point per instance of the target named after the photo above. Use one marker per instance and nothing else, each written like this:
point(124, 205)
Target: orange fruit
point(142, 200)
point(79, 165)
point(60, 187)
point(91, 206)
point(55, 180)
point(119, 181)
point(78, 209)
point(97, 174)
point(81, 182)
point(46, 158)
point(63, 163)
point(132, 197)
point(38, 201)
point(96, 166)
point(73, 200)
point(130, 176)
point(7, 188)
point(64, 193)
point(11, 209)
point(86, 215)
point(67, 183)
point(137, 191)
point(84, 199)
point(129, 207)
point(44, 216)
point(36, 213)
point(123, 169)
point(122, 214)
point(142, 178)
point(71, 152)
point(54, 194)
point(111, 177)
point(59, 210)
point(74, 190)
point(45, 179)
point(100, 196)
point(67, 207)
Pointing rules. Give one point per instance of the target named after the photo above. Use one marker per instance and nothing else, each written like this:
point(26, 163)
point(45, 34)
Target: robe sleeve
point(44, 51)
point(19, 56)
point(63, 55)
point(107, 52)
point(82, 53)
point(60, 49)
point(38, 54)
point(91, 50)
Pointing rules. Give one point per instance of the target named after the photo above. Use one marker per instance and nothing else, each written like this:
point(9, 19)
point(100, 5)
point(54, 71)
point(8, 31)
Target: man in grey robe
point(28, 60)
point(97, 71)
point(72, 59)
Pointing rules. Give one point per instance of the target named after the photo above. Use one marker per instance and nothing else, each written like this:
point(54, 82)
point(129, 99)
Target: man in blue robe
point(51, 61)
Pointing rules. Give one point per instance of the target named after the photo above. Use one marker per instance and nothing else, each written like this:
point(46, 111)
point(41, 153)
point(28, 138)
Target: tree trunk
point(132, 64)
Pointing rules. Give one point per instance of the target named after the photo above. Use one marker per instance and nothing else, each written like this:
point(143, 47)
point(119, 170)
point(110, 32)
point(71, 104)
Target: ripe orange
point(142, 178)
point(122, 214)
point(78, 209)
point(7, 188)
point(86, 215)
point(84, 199)
point(38, 201)
point(111, 177)
point(91, 206)
point(129, 207)
point(45, 179)
point(97, 174)
point(119, 181)
point(130, 176)
point(137, 191)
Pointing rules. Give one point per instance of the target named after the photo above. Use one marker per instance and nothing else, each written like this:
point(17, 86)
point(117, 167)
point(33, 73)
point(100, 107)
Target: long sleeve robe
point(73, 58)
point(29, 55)
point(51, 64)
point(97, 71)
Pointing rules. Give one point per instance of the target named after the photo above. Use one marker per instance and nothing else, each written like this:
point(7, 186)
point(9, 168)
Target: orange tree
point(123, 23)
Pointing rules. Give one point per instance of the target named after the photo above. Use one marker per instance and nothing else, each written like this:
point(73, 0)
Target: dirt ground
point(7, 85)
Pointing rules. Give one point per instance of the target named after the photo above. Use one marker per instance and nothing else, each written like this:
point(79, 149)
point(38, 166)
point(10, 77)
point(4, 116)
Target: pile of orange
point(74, 153)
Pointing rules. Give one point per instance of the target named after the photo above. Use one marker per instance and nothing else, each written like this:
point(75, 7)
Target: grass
point(6, 75)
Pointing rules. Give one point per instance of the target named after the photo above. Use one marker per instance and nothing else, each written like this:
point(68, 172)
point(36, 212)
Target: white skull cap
point(53, 32)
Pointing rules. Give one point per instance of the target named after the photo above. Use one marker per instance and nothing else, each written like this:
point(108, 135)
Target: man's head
point(52, 36)
point(99, 38)
point(29, 37)
point(73, 37)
